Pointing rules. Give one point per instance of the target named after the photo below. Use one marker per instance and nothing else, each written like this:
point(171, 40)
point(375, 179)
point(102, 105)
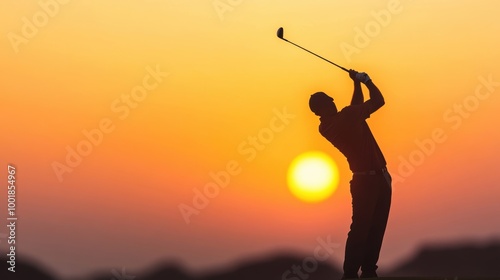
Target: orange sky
point(221, 77)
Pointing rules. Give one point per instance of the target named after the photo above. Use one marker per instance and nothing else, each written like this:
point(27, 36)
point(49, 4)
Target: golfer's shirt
point(348, 131)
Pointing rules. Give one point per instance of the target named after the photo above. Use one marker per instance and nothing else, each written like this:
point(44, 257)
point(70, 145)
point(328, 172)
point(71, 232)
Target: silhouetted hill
point(275, 268)
point(453, 260)
point(445, 262)
point(170, 271)
point(26, 269)
point(166, 271)
point(271, 268)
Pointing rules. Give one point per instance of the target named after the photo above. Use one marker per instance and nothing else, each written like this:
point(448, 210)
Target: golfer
point(370, 186)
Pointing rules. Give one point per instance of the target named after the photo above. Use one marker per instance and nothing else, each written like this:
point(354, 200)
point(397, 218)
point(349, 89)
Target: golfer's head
point(321, 104)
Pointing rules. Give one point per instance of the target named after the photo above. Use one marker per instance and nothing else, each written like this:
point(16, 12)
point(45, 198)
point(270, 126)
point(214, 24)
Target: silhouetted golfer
point(371, 190)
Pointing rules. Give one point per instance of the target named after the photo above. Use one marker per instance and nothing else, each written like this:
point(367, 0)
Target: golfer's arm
point(376, 99)
point(357, 96)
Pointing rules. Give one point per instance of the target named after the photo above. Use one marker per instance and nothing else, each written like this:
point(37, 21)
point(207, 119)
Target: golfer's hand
point(362, 77)
point(352, 74)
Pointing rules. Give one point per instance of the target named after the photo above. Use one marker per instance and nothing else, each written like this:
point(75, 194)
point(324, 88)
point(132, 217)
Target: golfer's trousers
point(371, 201)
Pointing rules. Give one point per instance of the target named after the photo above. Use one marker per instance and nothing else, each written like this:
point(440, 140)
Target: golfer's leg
point(376, 236)
point(364, 200)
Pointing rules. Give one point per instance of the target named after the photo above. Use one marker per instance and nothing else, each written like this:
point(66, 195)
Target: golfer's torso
point(354, 139)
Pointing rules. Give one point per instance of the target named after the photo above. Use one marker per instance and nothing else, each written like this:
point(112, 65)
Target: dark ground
point(451, 263)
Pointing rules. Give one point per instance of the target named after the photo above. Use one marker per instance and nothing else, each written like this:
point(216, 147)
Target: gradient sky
point(228, 76)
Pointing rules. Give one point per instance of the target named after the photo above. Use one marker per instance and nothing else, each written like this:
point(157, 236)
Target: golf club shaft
point(316, 55)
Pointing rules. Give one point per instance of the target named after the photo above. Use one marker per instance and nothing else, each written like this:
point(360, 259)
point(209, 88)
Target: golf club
point(280, 34)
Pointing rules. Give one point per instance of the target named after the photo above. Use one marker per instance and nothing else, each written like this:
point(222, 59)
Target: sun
point(313, 176)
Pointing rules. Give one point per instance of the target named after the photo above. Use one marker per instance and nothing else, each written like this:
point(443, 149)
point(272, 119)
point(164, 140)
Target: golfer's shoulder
point(328, 123)
point(353, 111)
point(347, 111)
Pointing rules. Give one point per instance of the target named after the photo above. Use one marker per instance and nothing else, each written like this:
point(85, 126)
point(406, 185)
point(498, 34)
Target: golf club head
point(280, 32)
